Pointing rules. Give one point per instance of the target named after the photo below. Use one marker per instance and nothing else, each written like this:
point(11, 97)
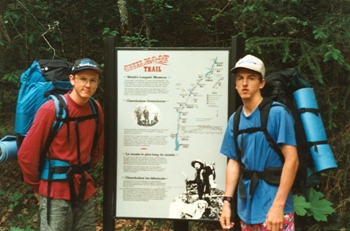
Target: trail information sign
point(172, 108)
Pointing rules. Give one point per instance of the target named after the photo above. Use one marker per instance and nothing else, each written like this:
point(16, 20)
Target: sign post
point(109, 159)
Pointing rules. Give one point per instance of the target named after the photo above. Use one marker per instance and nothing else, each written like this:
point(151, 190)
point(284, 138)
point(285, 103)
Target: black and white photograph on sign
point(201, 197)
point(172, 114)
point(146, 114)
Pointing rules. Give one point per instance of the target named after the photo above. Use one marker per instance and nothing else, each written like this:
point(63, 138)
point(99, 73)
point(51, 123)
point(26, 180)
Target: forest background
point(310, 36)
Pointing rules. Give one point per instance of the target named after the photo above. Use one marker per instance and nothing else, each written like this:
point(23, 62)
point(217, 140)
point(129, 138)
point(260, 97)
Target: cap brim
point(235, 69)
point(99, 70)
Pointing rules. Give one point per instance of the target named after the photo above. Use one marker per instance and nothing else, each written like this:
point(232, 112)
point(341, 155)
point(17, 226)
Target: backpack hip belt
point(60, 170)
point(270, 175)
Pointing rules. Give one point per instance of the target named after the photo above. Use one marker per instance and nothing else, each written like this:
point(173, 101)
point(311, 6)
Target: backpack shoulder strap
point(61, 111)
point(94, 109)
point(61, 116)
point(236, 120)
point(265, 107)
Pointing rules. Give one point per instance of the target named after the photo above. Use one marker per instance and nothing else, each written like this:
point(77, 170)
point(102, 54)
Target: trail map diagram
point(198, 107)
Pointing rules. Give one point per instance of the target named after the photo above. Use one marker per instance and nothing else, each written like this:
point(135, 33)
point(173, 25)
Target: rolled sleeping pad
point(305, 101)
point(8, 149)
point(323, 157)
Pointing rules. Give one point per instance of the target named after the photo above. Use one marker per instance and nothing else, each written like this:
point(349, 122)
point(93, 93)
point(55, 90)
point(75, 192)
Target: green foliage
point(155, 225)
point(316, 207)
point(15, 198)
point(320, 208)
point(108, 32)
point(28, 228)
point(139, 40)
point(12, 77)
point(300, 205)
point(19, 210)
point(4, 130)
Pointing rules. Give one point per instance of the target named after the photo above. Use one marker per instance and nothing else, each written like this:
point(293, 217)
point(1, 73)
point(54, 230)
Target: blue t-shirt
point(258, 155)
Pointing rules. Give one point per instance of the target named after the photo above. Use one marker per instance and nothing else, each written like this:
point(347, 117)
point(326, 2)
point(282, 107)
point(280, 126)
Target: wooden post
point(180, 225)
point(109, 164)
point(237, 52)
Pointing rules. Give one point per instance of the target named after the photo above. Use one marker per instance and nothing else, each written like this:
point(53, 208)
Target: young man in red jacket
point(68, 203)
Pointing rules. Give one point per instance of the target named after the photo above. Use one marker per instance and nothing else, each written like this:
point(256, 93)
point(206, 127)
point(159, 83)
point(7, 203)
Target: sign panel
point(172, 114)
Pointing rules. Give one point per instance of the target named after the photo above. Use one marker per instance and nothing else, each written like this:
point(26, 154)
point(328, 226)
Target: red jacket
point(62, 147)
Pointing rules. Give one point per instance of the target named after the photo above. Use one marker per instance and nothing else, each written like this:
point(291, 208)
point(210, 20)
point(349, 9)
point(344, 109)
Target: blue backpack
point(42, 81)
point(42, 78)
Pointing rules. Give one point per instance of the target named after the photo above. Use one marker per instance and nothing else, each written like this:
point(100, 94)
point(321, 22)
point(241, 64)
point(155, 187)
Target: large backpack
point(42, 78)
point(280, 87)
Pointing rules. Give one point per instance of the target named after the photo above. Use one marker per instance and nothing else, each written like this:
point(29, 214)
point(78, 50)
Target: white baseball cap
point(252, 63)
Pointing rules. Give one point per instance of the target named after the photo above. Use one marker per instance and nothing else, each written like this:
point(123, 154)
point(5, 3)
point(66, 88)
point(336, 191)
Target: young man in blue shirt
point(268, 207)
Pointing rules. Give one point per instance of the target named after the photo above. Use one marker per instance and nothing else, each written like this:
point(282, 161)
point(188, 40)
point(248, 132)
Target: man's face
point(197, 166)
point(85, 83)
point(248, 83)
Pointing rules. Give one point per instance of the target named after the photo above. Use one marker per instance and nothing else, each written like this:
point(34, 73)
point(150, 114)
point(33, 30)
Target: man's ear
point(71, 79)
point(262, 83)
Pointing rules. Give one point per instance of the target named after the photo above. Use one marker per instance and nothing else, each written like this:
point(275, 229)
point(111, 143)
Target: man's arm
point(274, 218)
point(99, 148)
point(232, 175)
point(33, 144)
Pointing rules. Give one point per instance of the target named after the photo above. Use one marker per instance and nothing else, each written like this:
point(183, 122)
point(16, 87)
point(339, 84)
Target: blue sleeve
point(228, 145)
point(283, 126)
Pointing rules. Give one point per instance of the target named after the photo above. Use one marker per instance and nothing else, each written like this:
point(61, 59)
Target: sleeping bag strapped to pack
point(42, 78)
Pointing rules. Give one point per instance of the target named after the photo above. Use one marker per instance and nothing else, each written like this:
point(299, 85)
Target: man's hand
point(274, 219)
point(225, 218)
point(37, 196)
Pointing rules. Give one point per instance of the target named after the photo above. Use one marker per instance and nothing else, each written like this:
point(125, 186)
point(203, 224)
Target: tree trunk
point(4, 36)
point(146, 24)
point(124, 21)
